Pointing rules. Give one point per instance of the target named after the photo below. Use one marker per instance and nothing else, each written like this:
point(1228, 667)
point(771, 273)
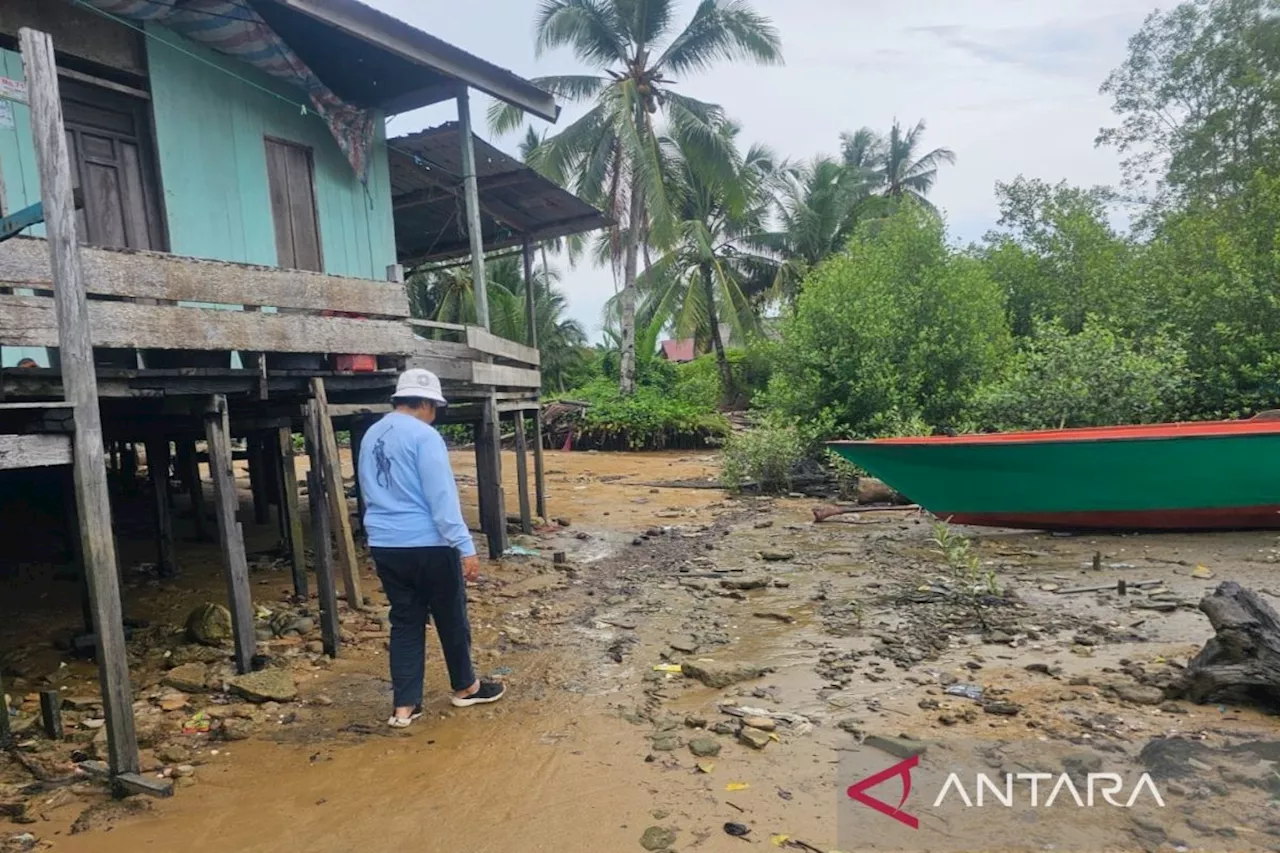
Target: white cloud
point(1010, 85)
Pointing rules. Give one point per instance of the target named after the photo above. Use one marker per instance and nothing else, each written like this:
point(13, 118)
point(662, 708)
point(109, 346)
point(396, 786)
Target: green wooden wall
point(211, 129)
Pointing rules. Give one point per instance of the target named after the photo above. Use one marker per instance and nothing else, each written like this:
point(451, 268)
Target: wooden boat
point(1221, 475)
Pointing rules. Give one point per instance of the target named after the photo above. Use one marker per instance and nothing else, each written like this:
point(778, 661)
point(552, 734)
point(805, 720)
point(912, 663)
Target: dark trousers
point(423, 583)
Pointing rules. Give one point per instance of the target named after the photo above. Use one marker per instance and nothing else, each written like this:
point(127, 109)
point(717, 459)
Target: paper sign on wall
point(13, 90)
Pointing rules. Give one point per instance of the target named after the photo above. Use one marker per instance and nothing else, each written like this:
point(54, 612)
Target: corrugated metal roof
point(516, 203)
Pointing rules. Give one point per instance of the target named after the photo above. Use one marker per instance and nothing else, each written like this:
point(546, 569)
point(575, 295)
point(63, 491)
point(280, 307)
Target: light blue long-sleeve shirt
point(411, 499)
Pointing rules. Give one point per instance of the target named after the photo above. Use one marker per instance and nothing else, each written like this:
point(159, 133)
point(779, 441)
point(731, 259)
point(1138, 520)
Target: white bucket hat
point(422, 384)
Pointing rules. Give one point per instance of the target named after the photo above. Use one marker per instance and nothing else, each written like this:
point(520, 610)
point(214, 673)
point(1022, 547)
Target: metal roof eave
point(386, 32)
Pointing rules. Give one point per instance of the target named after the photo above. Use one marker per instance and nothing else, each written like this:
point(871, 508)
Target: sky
point(1011, 86)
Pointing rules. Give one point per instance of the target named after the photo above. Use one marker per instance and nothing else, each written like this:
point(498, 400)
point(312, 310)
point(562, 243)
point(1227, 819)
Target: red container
point(355, 363)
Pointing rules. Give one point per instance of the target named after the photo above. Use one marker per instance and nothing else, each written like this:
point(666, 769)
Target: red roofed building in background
point(679, 352)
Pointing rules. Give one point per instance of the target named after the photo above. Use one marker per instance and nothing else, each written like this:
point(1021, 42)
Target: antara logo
point(1098, 789)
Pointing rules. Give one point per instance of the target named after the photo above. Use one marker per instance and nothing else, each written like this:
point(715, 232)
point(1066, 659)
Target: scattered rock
point(81, 703)
point(657, 838)
point(718, 675)
point(724, 727)
point(688, 645)
point(209, 624)
point(695, 722)
point(761, 525)
point(315, 647)
point(1003, 709)
point(666, 743)
point(268, 685)
point(705, 747)
point(174, 701)
point(770, 556)
point(188, 678)
point(173, 753)
point(764, 724)
point(233, 728)
point(1138, 694)
point(785, 618)
point(899, 747)
point(753, 738)
point(744, 583)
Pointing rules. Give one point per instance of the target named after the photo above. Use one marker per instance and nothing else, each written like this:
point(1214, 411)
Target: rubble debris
point(718, 675)
point(209, 624)
point(268, 685)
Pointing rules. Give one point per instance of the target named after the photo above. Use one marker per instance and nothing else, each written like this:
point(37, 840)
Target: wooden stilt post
point(290, 513)
point(128, 468)
point(158, 469)
point(539, 470)
point(522, 475)
point(190, 464)
point(493, 513)
point(321, 541)
point(358, 428)
point(258, 479)
point(531, 332)
point(493, 517)
point(71, 518)
point(230, 535)
point(348, 563)
point(81, 384)
point(51, 714)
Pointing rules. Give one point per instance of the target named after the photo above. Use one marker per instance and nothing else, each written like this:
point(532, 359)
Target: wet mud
point(698, 660)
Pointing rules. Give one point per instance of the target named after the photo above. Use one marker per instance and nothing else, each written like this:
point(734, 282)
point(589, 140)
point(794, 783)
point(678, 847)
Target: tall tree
point(611, 155)
point(906, 172)
point(818, 206)
point(708, 275)
point(1198, 100)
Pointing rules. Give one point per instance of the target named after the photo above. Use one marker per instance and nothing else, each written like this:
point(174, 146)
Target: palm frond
point(722, 30)
point(589, 27)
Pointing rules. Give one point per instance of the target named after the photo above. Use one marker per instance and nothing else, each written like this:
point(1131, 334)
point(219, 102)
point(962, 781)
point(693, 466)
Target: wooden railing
point(477, 358)
point(134, 303)
point(142, 300)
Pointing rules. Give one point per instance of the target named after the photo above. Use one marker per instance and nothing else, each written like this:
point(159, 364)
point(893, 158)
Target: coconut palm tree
point(819, 203)
point(611, 155)
point(905, 172)
point(710, 274)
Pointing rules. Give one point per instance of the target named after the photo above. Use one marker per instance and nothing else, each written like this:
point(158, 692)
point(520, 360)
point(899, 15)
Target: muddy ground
point(840, 634)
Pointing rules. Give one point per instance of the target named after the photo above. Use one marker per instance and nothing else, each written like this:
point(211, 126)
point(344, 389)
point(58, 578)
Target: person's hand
point(471, 568)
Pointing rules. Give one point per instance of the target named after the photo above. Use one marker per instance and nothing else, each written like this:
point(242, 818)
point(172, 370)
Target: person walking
point(420, 545)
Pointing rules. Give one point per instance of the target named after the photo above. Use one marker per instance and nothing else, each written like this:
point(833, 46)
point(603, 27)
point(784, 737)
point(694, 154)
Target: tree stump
point(1242, 660)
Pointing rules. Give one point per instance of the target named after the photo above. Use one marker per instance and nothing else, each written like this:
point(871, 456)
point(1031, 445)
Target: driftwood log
point(1242, 660)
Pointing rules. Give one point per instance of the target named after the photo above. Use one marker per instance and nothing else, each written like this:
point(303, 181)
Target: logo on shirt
point(383, 464)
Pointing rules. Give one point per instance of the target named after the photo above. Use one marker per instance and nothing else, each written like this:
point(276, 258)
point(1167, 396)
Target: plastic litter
point(673, 668)
point(737, 786)
point(968, 691)
point(519, 551)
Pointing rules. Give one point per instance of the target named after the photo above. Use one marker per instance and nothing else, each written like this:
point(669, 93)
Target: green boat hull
point(1096, 479)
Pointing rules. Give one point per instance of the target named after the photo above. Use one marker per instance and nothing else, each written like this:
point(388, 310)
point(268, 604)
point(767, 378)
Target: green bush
point(896, 330)
point(652, 419)
point(1094, 378)
point(698, 381)
point(763, 457)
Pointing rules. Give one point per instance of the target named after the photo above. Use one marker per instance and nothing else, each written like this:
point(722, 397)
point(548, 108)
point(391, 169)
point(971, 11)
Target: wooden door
point(109, 141)
point(291, 180)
